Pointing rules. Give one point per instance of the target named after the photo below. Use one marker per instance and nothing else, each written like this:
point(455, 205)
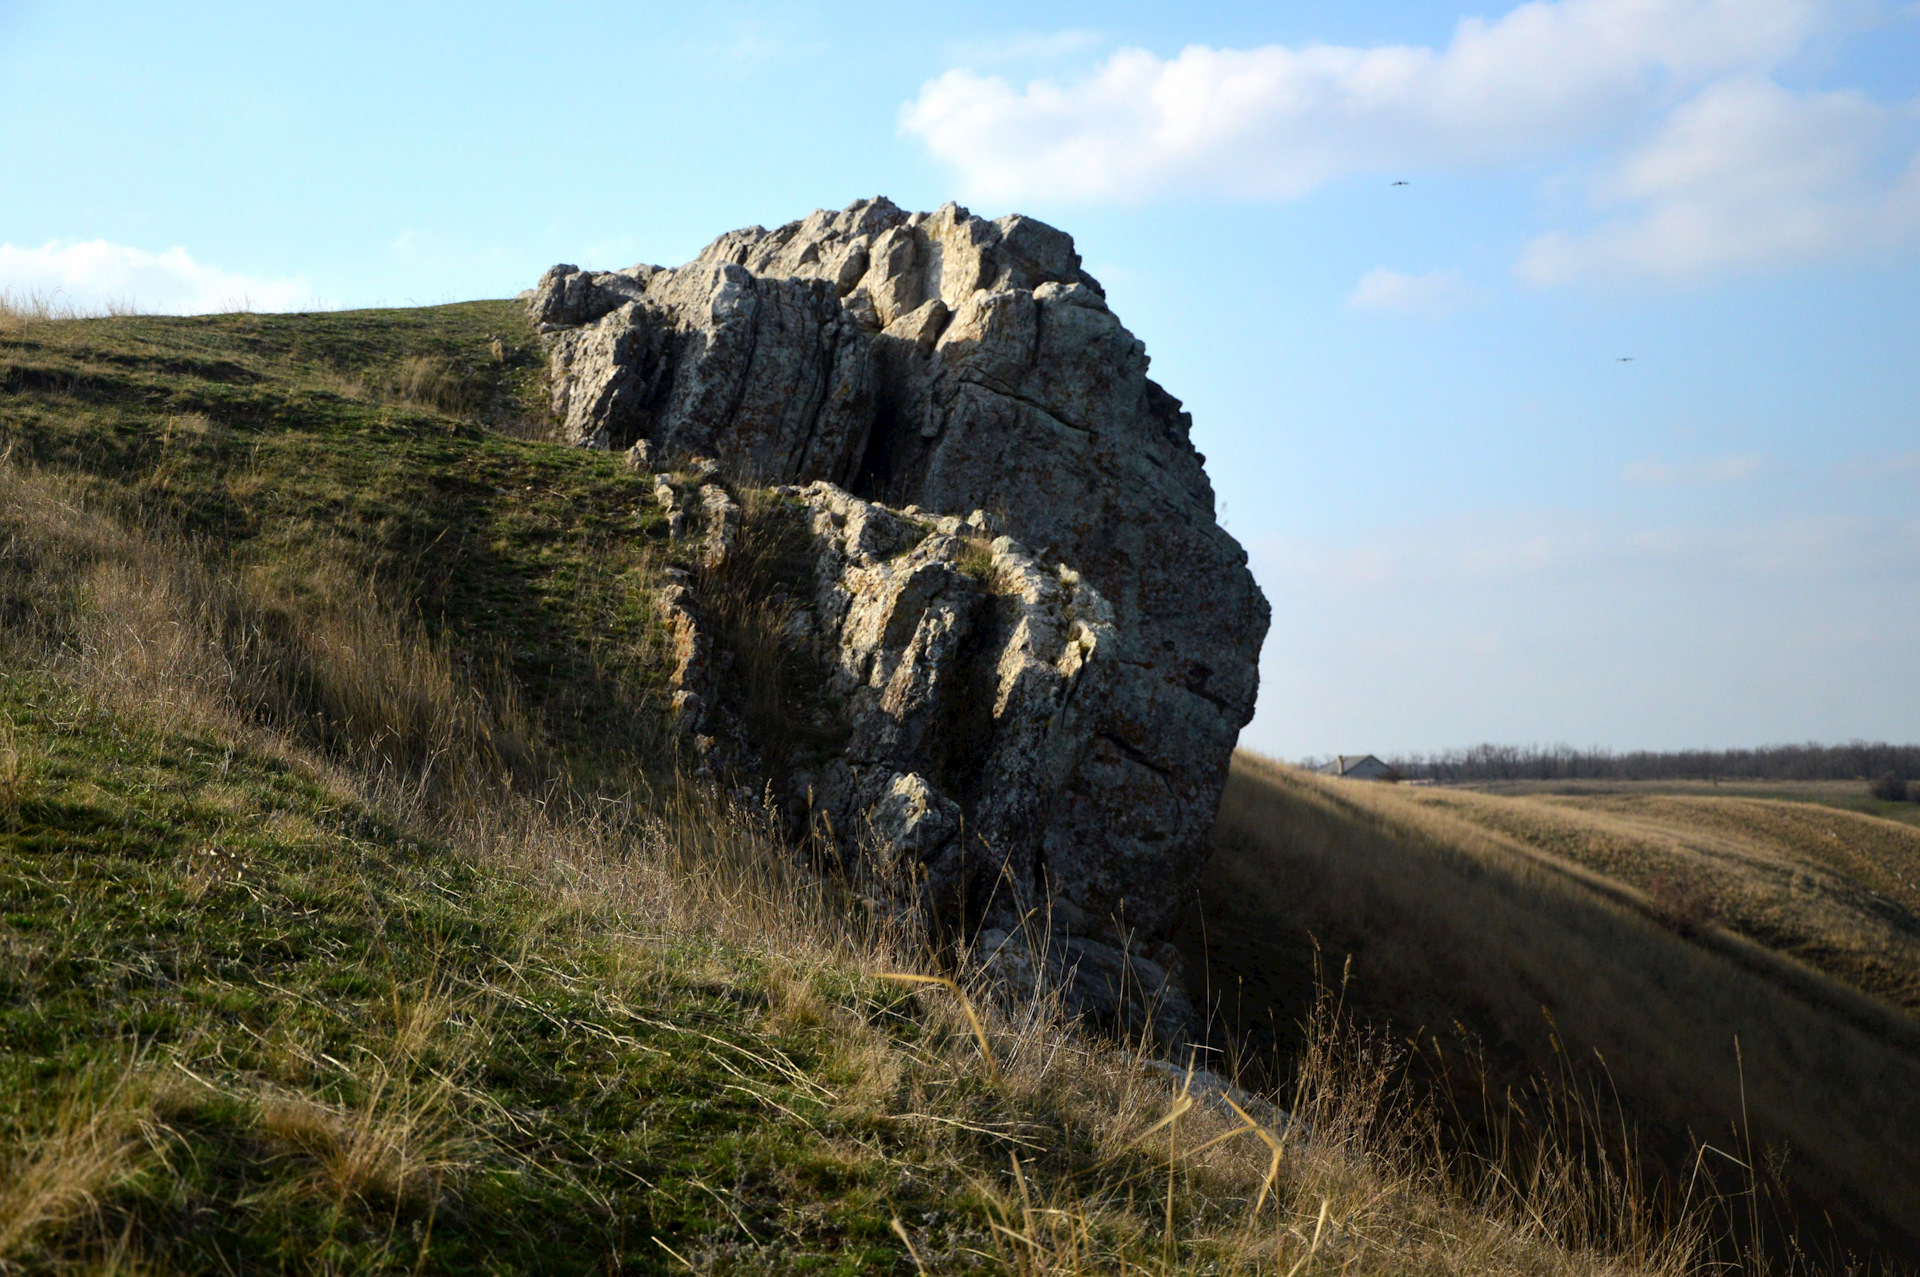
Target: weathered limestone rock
point(567, 295)
point(964, 663)
point(942, 362)
point(971, 680)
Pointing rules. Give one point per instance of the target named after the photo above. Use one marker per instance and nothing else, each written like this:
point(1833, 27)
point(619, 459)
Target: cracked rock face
point(946, 363)
point(971, 680)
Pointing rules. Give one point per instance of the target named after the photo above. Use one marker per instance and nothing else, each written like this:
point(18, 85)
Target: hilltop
point(360, 914)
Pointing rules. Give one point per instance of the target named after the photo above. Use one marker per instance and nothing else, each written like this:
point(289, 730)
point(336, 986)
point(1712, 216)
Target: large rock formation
point(945, 364)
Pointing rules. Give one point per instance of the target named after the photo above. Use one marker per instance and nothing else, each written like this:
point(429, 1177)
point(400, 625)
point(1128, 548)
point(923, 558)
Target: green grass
point(272, 967)
point(268, 436)
point(263, 1007)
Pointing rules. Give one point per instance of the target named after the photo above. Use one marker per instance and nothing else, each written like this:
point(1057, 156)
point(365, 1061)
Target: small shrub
point(977, 562)
point(432, 382)
point(1891, 788)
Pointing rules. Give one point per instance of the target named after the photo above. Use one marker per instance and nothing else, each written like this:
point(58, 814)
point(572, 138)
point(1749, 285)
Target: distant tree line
point(1856, 760)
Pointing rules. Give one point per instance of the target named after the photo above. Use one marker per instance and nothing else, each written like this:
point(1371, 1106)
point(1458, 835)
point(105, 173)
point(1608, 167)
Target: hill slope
point(354, 915)
point(1653, 930)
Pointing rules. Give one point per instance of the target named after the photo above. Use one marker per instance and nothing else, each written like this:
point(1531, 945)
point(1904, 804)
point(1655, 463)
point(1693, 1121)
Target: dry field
point(1836, 890)
point(1846, 795)
point(1730, 965)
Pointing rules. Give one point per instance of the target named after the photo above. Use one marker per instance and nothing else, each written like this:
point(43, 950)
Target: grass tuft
point(98, 1139)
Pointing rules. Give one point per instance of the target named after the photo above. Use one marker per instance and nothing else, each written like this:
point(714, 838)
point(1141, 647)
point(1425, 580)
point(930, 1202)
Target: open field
point(1837, 890)
point(355, 918)
point(1649, 927)
point(1845, 795)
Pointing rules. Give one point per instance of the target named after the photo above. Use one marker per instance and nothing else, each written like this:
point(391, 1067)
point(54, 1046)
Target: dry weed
point(212, 866)
point(46, 306)
point(393, 1146)
point(17, 774)
point(99, 1139)
point(142, 623)
point(402, 1138)
point(433, 382)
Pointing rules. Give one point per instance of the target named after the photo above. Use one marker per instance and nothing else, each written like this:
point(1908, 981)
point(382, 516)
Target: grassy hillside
point(1652, 929)
point(354, 916)
point(1836, 890)
point(316, 454)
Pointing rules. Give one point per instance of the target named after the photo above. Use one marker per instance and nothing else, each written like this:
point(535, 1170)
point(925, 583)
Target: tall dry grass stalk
point(36, 306)
point(1345, 1176)
point(16, 774)
point(396, 1145)
point(433, 382)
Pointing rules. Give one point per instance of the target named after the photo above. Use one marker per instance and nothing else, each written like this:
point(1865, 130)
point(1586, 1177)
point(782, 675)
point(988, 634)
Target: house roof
point(1348, 764)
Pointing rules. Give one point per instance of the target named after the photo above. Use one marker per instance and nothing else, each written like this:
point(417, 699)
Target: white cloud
point(1748, 174)
point(94, 275)
point(1698, 162)
point(1666, 474)
point(1436, 293)
point(1896, 466)
point(1277, 121)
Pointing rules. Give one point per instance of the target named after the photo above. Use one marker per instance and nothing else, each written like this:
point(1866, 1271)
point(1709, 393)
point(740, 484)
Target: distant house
point(1359, 767)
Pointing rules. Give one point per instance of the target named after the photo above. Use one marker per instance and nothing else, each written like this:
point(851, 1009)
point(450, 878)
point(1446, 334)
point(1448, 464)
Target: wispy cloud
point(1711, 470)
point(1748, 174)
point(741, 39)
point(1281, 120)
point(1666, 111)
point(1895, 466)
point(94, 274)
point(1433, 294)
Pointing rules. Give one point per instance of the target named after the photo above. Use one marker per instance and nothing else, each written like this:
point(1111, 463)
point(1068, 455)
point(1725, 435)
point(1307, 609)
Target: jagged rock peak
point(884, 261)
point(890, 262)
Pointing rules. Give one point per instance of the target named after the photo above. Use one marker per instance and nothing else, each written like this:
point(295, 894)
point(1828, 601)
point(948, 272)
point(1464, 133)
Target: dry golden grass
point(36, 306)
point(103, 1134)
point(144, 623)
point(393, 1146)
point(16, 773)
point(432, 382)
point(1838, 890)
point(1463, 909)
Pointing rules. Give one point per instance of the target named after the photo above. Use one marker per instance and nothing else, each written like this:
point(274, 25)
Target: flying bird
point(1402, 183)
point(1625, 359)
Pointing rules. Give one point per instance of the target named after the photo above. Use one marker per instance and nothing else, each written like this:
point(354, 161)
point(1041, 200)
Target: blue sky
point(1473, 519)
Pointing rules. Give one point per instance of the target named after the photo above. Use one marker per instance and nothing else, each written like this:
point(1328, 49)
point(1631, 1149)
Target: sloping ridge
point(1448, 922)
